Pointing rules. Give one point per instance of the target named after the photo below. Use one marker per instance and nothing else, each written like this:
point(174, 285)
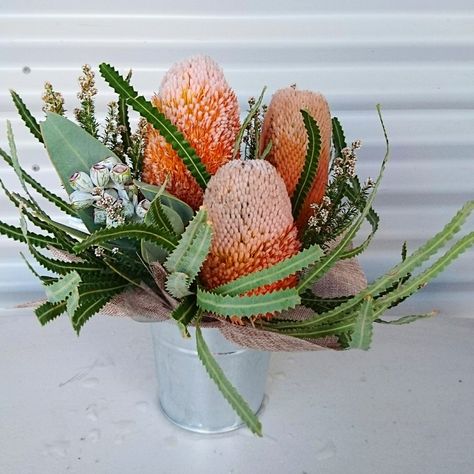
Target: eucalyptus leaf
point(72, 149)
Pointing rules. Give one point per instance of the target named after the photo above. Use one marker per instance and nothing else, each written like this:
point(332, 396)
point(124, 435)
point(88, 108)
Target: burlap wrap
point(144, 305)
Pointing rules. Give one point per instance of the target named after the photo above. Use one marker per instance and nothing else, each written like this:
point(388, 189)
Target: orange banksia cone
point(253, 226)
point(284, 126)
point(195, 96)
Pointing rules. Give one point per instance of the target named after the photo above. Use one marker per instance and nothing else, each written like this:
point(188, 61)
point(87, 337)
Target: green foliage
point(407, 319)
point(236, 401)
point(319, 304)
point(177, 285)
point(26, 116)
point(339, 251)
point(49, 311)
point(276, 272)
point(176, 260)
point(338, 138)
point(246, 306)
point(87, 309)
point(61, 289)
point(169, 132)
point(184, 211)
point(128, 231)
point(16, 233)
point(60, 203)
point(361, 336)
point(310, 167)
point(72, 149)
point(184, 313)
point(344, 313)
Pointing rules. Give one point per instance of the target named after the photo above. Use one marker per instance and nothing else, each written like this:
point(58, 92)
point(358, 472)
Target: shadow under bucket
point(187, 395)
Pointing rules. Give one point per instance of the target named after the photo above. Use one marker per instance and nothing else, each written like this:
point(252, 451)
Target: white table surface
point(88, 405)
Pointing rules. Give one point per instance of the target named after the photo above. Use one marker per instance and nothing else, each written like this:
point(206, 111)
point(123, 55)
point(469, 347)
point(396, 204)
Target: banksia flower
point(252, 223)
point(195, 96)
point(284, 126)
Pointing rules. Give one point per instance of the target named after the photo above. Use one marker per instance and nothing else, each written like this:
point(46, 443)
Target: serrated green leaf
point(87, 309)
point(241, 306)
point(198, 251)
point(235, 400)
point(60, 290)
point(26, 116)
point(185, 312)
point(16, 233)
point(326, 263)
point(277, 272)
point(49, 311)
point(125, 123)
point(51, 197)
point(72, 149)
point(159, 121)
point(407, 319)
point(128, 231)
point(174, 262)
point(319, 304)
point(416, 259)
point(62, 268)
point(310, 167)
point(157, 215)
point(338, 138)
point(177, 285)
point(361, 336)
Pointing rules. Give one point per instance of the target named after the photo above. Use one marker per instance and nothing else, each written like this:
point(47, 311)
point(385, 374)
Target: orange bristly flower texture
point(253, 226)
point(195, 96)
point(284, 126)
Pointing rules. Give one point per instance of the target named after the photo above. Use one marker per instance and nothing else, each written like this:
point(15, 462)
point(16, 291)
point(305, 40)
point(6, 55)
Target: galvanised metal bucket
point(186, 393)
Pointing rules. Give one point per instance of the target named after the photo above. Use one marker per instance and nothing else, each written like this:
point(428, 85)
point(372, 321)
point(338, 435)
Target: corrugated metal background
point(415, 59)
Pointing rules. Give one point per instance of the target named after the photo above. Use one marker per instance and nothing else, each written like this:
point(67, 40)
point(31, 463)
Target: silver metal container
point(187, 395)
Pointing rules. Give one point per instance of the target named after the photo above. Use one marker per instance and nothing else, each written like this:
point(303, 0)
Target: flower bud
point(81, 181)
point(100, 175)
point(121, 174)
point(142, 208)
point(110, 162)
point(81, 199)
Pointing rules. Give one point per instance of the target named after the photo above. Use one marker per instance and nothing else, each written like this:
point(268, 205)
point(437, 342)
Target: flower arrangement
point(204, 217)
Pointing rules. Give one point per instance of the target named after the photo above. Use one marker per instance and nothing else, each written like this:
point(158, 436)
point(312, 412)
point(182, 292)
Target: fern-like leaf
point(338, 138)
point(16, 233)
point(49, 311)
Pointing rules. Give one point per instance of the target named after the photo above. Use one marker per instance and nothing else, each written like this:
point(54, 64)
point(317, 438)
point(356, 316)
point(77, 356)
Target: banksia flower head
point(284, 126)
point(253, 227)
point(195, 96)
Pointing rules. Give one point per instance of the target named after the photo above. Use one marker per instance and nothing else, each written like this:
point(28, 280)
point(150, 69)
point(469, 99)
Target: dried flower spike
point(53, 101)
point(253, 227)
point(284, 126)
point(195, 96)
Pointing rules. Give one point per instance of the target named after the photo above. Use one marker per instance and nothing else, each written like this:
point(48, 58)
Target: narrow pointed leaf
point(60, 290)
point(128, 231)
point(16, 233)
point(361, 336)
point(310, 165)
point(407, 319)
point(338, 138)
point(247, 305)
point(26, 116)
point(166, 128)
point(277, 272)
point(49, 311)
point(236, 401)
point(174, 262)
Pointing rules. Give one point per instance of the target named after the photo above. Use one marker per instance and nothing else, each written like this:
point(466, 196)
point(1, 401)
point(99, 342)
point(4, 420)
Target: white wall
point(416, 59)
